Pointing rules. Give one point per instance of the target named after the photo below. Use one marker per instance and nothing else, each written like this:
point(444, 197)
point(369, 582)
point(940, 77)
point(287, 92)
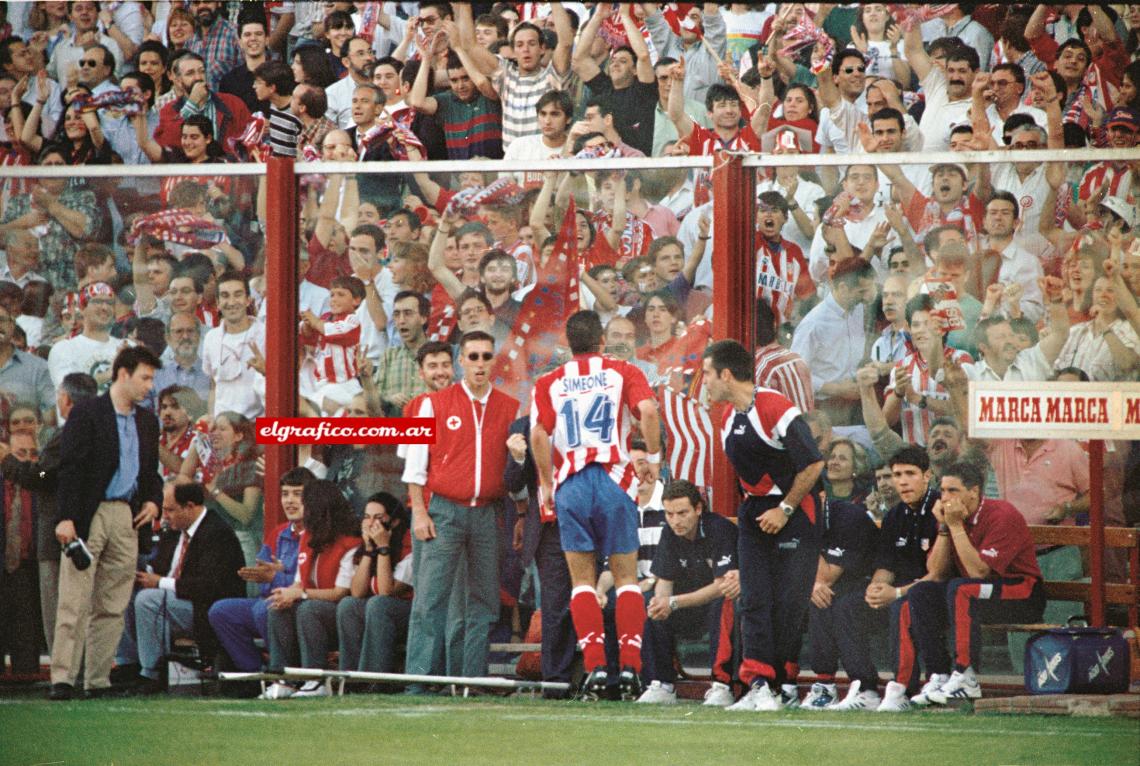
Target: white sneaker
point(314, 689)
point(659, 694)
point(963, 685)
point(820, 696)
point(759, 697)
point(894, 699)
point(789, 696)
point(922, 699)
point(278, 690)
point(857, 699)
point(718, 695)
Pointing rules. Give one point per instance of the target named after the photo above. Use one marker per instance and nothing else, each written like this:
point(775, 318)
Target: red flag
point(690, 434)
point(532, 346)
point(443, 315)
point(674, 15)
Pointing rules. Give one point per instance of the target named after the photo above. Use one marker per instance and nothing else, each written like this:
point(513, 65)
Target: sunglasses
point(89, 63)
point(854, 69)
point(475, 356)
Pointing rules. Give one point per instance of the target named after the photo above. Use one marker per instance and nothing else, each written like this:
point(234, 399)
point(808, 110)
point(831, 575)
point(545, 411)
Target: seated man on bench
point(697, 580)
point(982, 568)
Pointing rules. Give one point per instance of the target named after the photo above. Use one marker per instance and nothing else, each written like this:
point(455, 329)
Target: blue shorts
point(594, 514)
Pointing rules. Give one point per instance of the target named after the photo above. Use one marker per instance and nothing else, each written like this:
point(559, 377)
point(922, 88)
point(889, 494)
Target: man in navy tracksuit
point(841, 623)
point(778, 464)
point(907, 535)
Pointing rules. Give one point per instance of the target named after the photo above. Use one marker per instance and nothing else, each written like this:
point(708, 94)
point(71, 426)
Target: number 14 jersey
point(587, 406)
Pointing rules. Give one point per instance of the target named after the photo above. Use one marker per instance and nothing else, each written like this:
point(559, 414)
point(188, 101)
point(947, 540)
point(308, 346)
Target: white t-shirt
point(530, 148)
point(225, 356)
point(83, 354)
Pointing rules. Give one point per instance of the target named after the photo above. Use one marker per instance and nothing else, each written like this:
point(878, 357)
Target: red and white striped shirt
point(916, 420)
point(781, 276)
point(787, 372)
point(524, 258)
point(1117, 175)
point(334, 358)
point(704, 142)
point(587, 406)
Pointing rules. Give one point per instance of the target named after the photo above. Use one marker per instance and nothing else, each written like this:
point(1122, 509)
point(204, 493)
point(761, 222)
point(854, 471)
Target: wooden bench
point(1121, 594)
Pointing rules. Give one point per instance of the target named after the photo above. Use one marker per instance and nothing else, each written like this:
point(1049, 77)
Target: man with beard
point(621, 343)
point(178, 410)
point(183, 338)
point(215, 40)
point(947, 87)
point(357, 56)
point(227, 113)
point(94, 349)
point(397, 379)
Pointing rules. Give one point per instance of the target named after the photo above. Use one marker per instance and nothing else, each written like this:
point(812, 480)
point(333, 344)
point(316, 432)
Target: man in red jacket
point(228, 113)
point(463, 470)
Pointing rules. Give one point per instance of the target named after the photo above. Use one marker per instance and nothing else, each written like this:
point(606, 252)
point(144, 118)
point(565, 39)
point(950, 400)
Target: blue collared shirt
point(288, 549)
point(126, 477)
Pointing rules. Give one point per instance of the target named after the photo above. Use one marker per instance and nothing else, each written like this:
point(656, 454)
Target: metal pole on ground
point(1096, 531)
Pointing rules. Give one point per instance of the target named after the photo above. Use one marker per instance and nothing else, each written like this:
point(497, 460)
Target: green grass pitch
point(380, 729)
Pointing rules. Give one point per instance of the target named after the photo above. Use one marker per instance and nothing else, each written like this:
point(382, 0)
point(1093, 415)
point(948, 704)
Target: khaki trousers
point(89, 618)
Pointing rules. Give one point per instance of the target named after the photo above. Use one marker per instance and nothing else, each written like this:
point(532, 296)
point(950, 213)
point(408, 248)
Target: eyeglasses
point(1026, 145)
point(854, 69)
point(475, 356)
point(89, 63)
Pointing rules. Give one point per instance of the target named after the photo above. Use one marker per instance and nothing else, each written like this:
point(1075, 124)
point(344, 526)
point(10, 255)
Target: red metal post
point(1096, 530)
point(734, 268)
point(281, 328)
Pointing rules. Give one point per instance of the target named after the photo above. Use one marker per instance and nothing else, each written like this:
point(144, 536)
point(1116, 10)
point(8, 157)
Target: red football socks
point(587, 617)
point(629, 614)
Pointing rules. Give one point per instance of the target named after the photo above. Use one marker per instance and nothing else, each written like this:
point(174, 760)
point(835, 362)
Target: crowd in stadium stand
point(882, 290)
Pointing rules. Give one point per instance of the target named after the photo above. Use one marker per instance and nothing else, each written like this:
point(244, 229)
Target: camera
point(77, 551)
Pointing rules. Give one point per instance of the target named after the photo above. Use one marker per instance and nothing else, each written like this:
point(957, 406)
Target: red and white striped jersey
point(704, 142)
point(781, 276)
point(785, 371)
point(1117, 175)
point(334, 356)
point(915, 420)
point(587, 406)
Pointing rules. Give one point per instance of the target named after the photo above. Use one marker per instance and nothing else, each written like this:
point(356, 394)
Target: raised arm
point(326, 213)
point(637, 42)
point(676, 106)
point(481, 82)
point(418, 97)
point(149, 146)
point(562, 51)
point(436, 263)
point(485, 61)
point(915, 53)
point(583, 62)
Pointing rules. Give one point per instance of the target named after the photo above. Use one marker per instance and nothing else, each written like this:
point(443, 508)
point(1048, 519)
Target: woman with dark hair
point(198, 146)
point(34, 309)
point(1129, 94)
point(847, 476)
point(302, 617)
point(153, 59)
point(79, 134)
point(227, 460)
point(311, 67)
point(373, 622)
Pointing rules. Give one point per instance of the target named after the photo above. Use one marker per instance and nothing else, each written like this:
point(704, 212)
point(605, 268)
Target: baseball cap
point(1125, 117)
point(1122, 208)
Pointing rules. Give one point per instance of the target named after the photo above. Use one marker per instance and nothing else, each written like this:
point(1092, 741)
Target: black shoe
point(630, 684)
point(125, 675)
point(594, 686)
point(147, 687)
point(61, 692)
point(109, 692)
